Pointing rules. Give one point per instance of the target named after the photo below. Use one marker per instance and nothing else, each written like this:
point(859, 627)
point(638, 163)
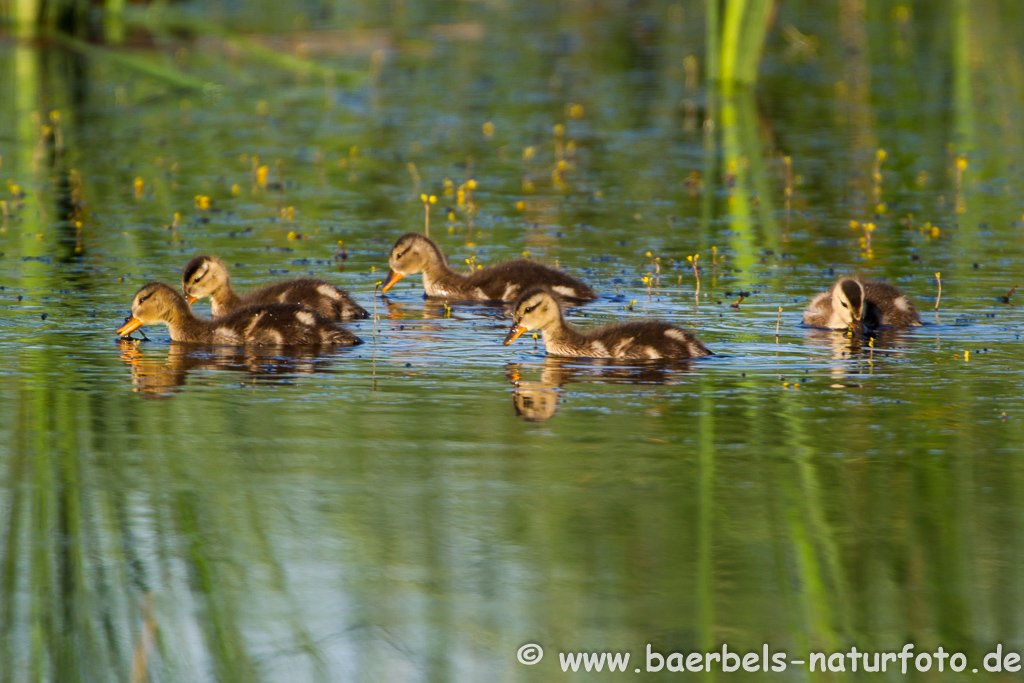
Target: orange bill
point(191, 299)
point(129, 327)
point(393, 278)
point(514, 333)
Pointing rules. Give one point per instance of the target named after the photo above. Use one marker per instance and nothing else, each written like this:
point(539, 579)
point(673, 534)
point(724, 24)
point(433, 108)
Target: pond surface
point(419, 507)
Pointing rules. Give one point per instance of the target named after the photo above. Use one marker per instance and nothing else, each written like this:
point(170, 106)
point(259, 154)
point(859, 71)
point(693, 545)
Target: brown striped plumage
point(265, 324)
point(539, 309)
point(414, 253)
point(208, 276)
point(863, 306)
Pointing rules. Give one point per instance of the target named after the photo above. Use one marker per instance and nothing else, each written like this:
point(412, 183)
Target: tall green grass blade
point(168, 75)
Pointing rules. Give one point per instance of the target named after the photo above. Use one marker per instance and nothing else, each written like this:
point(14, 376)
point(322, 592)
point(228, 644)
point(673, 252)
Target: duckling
point(208, 276)
point(414, 253)
point(862, 306)
point(265, 324)
point(538, 309)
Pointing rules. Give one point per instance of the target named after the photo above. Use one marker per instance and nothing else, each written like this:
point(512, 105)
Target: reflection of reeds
point(705, 493)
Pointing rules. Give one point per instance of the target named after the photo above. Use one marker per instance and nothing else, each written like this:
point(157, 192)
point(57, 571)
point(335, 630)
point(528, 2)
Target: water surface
point(419, 507)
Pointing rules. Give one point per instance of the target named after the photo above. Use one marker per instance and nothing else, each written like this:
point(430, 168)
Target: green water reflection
point(419, 507)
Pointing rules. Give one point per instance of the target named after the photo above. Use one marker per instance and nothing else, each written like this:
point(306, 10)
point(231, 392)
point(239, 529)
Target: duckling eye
point(400, 254)
point(143, 298)
point(197, 279)
point(844, 304)
point(529, 308)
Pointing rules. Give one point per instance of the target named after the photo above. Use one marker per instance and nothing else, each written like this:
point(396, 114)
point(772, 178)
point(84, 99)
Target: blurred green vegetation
point(259, 520)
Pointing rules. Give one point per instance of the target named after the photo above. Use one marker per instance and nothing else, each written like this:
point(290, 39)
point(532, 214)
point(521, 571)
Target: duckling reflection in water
point(861, 306)
point(538, 401)
point(539, 309)
point(265, 324)
point(858, 354)
point(206, 276)
point(159, 376)
point(415, 253)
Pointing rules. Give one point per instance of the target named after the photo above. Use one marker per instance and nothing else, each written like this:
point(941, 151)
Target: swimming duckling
point(538, 309)
point(861, 306)
point(265, 324)
point(414, 253)
point(208, 276)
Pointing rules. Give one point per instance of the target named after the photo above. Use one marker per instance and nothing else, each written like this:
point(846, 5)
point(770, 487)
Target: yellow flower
point(961, 162)
point(574, 111)
point(140, 186)
point(559, 130)
point(520, 205)
point(202, 202)
point(528, 153)
point(235, 190)
point(488, 130)
point(261, 176)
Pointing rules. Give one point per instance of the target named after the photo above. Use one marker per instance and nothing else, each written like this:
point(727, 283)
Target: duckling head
point(203, 276)
point(412, 253)
point(848, 303)
point(154, 303)
point(535, 309)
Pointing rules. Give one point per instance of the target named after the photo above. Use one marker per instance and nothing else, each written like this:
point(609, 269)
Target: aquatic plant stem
point(711, 33)
point(735, 10)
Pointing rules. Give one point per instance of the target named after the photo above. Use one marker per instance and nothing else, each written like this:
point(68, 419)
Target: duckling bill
point(539, 309)
point(861, 306)
point(415, 253)
point(265, 324)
